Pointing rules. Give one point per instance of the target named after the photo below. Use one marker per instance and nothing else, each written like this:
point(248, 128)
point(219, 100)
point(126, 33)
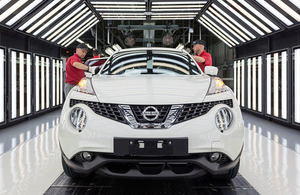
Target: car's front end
point(151, 125)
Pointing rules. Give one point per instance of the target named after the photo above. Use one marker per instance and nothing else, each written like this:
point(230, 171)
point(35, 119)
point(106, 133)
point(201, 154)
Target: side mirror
point(211, 70)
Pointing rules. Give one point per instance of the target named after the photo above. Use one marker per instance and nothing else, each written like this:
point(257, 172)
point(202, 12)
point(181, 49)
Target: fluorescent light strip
point(287, 9)
point(56, 17)
point(253, 19)
point(42, 83)
point(39, 14)
point(296, 3)
point(12, 9)
point(179, 10)
point(76, 30)
point(2, 95)
point(120, 6)
point(178, 2)
point(218, 27)
point(128, 10)
point(28, 85)
point(276, 85)
point(78, 10)
point(69, 25)
point(131, 18)
point(239, 82)
point(23, 12)
point(21, 84)
point(175, 16)
point(217, 31)
point(118, 3)
point(13, 84)
point(175, 6)
point(175, 13)
point(235, 78)
point(297, 84)
point(249, 83)
point(217, 35)
point(224, 25)
point(37, 83)
point(254, 83)
point(269, 84)
point(86, 28)
point(123, 16)
point(57, 84)
point(61, 82)
point(276, 13)
point(53, 82)
point(259, 106)
point(241, 17)
point(3, 3)
point(258, 14)
point(284, 85)
point(243, 83)
point(234, 22)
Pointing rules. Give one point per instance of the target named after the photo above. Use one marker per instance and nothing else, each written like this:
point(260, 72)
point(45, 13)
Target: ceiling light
point(275, 12)
point(175, 13)
point(185, 9)
point(178, 2)
point(231, 25)
point(218, 26)
point(86, 29)
point(22, 13)
point(218, 32)
point(139, 18)
point(78, 10)
point(261, 16)
point(223, 24)
point(206, 26)
point(122, 16)
point(296, 3)
point(266, 29)
point(119, 6)
point(173, 18)
point(112, 10)
point(288, 10)
point(56, 17)
point(119, 3)
point(11, 9)
point(241, 17)
point(3, 3)
point(47, 16)
point(176, 6)
point(39, 14)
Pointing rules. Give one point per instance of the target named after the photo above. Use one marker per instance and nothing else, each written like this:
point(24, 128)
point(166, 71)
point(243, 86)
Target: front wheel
point(69, 171)
point(231, 174)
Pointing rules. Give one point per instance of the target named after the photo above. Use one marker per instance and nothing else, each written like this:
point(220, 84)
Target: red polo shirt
point(73, 74)
point(208, 60)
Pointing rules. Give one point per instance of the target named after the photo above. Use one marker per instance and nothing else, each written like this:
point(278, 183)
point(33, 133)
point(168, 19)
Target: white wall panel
point(2, 83)
point(297, 84)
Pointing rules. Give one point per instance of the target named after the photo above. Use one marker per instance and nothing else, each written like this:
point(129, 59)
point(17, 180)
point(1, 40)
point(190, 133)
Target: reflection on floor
point(100, 186)
point(30, 163)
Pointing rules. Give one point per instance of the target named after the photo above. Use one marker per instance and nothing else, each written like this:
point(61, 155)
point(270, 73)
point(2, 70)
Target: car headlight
point(216, 86)
point(78, 118)
point(223, 119)
point(85, 86)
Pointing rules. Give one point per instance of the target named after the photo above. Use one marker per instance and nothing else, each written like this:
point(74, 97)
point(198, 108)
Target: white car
point(151, 113)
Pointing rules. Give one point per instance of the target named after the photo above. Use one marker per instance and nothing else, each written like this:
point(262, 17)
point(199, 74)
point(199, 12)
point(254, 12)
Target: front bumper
point(191, 166)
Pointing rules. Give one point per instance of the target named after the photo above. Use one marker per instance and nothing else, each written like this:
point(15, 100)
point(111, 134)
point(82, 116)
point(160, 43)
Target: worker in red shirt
point(97, 54)
point(202, 57)
point(75, 68)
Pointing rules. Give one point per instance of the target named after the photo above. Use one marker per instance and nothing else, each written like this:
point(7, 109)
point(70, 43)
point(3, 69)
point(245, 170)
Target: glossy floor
point(30, 158)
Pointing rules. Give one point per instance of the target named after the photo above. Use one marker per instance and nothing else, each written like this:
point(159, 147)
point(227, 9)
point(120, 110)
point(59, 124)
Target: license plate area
point(151, 147)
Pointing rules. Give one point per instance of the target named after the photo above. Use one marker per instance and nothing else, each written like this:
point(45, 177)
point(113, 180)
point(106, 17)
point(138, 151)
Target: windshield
point(151, 62)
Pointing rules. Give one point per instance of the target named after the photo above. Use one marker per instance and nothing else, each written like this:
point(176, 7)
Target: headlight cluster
point(78, 118)
point(216, 86)
point(223, 118)
point(85, 86)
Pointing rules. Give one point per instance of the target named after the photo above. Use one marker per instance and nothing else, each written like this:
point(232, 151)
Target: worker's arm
point(80, 66)
point(199, 59)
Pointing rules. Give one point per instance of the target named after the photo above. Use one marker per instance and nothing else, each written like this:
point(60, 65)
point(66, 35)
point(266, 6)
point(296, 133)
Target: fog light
point(223, 119)
point(78, 118)
point(214, 157)
point(87, 156)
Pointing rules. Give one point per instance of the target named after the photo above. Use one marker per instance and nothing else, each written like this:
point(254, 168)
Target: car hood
point(151, 89)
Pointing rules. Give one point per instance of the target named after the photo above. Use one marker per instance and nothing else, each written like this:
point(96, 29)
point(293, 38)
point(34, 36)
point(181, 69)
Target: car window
point(151, 62)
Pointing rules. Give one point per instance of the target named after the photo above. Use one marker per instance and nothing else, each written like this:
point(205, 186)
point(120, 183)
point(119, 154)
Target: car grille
point(163, 112)
point(111, 111)
point(190, 111)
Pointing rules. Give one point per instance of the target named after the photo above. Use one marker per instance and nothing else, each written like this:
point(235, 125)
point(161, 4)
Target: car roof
point(150, 48)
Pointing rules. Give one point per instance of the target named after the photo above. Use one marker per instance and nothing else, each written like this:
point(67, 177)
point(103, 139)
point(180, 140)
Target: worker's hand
point(94, 69)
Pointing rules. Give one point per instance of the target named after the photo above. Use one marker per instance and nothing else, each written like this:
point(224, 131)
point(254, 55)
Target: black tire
point(69, 171)
point(231, 174)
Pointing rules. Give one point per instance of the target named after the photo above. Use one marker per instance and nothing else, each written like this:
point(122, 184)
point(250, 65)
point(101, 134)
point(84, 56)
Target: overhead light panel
point(119, 6)
point(117, 3)
point(23, 12)
point(296, 3)
point(178, 2)
point(3, 3)
point(12, 9)
point(176, 6)
point(122, 10)
point(287, 9)
point(184, 9)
